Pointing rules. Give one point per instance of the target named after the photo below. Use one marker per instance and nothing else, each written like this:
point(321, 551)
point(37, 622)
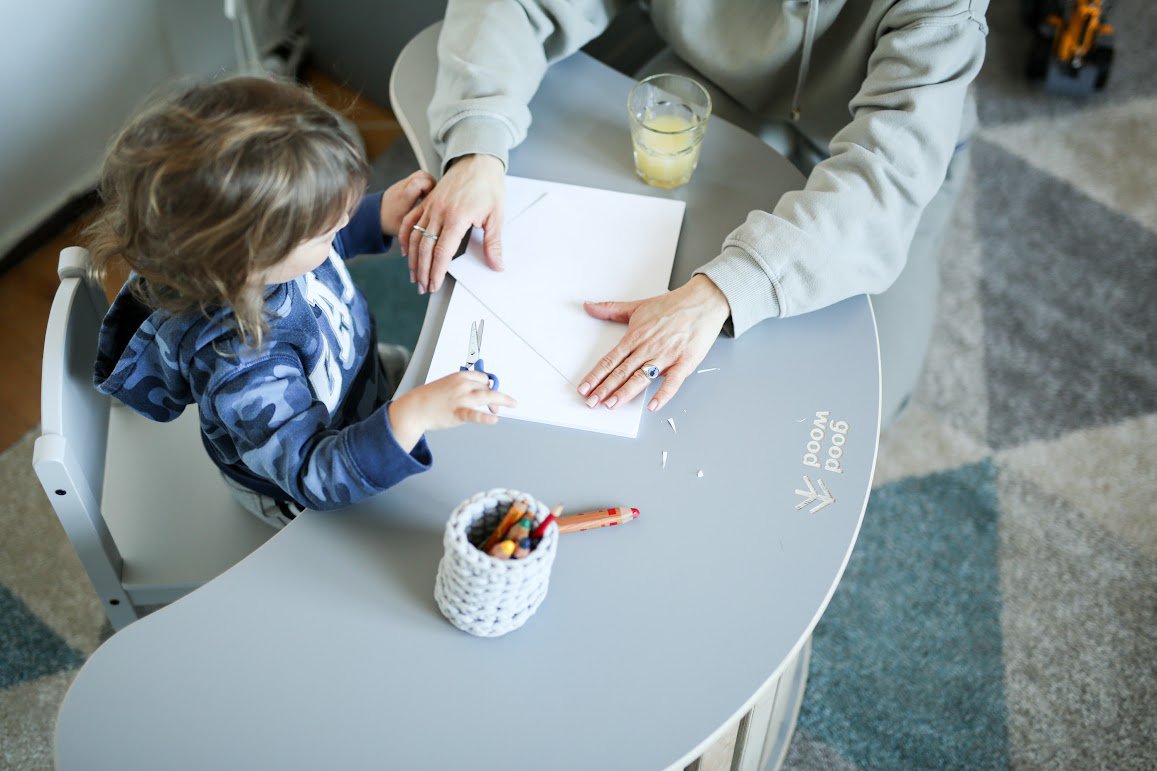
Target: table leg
point(760, 739)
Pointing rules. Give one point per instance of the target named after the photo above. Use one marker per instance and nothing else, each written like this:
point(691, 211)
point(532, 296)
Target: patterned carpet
point(1000, 608)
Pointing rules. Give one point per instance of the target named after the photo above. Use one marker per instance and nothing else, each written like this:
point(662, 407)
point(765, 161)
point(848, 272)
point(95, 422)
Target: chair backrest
point(411, 84)
point(110, 472)
point(69, 456)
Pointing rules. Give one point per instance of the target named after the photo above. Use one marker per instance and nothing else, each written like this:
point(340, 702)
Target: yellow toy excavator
point(1073, 48)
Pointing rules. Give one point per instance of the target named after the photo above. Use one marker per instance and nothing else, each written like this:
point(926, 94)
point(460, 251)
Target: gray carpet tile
point(37, 562)
point(1005, 95)
point(1107, 473)
point(920, 442)
point(1068, 303)
point(1090, 153)
point(952, 385)
point(27, 717)
point(1080, 636)
point(807, 753)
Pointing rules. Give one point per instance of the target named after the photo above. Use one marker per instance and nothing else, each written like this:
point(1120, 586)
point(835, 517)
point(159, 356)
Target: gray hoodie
point(882, 83)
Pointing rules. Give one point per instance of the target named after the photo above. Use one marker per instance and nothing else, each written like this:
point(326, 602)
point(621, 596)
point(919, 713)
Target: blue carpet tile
point(28, 648)
point(912, 637)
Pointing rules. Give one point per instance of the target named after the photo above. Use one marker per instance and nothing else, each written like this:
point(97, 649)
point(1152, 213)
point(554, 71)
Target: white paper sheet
point(542, 394)
point(573, 244)
point(562, 244)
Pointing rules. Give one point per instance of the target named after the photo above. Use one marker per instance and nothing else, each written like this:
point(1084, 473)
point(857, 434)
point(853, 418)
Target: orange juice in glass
point(668, 116)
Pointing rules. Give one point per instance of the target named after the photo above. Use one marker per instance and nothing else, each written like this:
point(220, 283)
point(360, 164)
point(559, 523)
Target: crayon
point(575, 523)
point(522, 550)
point(502, 550)
point(540, 530)
point(515, 513)
point(520, 529)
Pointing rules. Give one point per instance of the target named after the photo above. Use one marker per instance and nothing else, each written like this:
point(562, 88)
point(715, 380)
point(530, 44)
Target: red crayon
point(574, 523)
point(540, 530)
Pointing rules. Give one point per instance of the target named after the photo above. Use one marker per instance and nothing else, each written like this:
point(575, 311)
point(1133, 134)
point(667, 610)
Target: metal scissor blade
point(475, 343)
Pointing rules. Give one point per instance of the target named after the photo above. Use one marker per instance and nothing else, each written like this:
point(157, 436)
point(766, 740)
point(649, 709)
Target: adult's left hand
point(673, 331)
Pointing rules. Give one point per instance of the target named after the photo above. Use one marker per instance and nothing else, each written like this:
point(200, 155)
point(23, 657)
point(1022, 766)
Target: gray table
point(324, 648)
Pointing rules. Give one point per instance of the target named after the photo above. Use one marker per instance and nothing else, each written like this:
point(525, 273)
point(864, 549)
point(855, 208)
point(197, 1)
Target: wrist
point(477, 163)
point(405, 421)
point(710, 297)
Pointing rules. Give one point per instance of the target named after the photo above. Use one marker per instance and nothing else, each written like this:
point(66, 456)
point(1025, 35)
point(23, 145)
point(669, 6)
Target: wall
point(357, 41)
point(73, 71)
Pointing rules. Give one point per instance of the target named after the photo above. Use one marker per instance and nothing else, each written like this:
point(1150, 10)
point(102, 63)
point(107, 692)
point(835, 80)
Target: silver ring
point(431, 236)
point(418, 228)
point(650, 371)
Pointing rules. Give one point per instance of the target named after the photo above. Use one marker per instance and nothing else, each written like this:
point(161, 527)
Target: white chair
point(144, 507)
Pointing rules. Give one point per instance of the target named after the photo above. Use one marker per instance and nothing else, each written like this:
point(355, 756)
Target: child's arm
point(445, 403)
point(280, 432)
point(379, 215)
point(402, 196)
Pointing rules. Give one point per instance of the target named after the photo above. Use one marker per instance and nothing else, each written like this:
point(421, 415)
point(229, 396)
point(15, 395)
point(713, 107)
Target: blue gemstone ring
point(651, 371)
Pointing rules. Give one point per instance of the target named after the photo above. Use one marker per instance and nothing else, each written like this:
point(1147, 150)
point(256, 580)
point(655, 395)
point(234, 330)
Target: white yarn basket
point(483, 595)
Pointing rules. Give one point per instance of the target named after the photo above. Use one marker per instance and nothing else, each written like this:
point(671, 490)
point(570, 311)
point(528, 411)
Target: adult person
point(883, 84)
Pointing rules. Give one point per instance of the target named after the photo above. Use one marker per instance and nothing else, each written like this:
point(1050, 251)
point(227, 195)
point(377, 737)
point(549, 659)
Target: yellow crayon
point(502, 550)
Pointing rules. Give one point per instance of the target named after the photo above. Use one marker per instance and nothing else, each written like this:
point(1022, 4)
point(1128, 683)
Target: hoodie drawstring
point(810, 19)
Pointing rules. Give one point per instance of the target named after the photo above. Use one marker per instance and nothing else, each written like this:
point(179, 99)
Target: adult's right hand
point(470, 194)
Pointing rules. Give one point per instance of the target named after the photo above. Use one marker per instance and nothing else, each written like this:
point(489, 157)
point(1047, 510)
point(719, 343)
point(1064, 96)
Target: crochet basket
point(483, 595)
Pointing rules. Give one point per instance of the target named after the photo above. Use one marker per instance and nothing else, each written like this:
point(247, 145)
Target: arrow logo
point(810, 495)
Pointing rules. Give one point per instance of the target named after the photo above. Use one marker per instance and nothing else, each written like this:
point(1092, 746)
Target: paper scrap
point(671, 422)
point(709, 369)
point(664, 459)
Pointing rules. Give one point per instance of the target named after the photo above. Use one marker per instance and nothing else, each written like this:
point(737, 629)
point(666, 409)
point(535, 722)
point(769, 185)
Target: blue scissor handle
point(479, 366)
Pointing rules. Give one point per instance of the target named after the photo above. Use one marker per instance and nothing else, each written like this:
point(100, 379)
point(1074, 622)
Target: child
point(235, 204)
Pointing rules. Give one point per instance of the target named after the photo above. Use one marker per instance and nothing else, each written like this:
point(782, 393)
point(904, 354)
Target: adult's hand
point(673, 331)
point(470, 194)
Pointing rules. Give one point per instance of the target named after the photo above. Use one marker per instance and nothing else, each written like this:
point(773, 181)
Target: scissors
point(474, 354)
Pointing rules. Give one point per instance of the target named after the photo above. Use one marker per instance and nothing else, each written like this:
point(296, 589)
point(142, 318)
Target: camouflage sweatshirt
point(303, 418)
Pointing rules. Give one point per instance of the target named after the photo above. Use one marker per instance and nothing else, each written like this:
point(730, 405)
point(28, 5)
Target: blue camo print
point(301, 419)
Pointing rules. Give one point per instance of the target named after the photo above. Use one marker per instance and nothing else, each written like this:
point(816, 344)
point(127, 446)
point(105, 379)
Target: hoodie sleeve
point(492, 55)
point(279, 432)
point(363, 233)
point(848, 231)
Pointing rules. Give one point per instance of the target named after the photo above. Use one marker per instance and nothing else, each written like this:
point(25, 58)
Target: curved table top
point(325, 647)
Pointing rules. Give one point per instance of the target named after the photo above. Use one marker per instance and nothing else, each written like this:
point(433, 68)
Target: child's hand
point(400, 197)
point(445, 403)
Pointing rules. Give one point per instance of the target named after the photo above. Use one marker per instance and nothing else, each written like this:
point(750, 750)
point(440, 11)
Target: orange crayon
point(619, 515)
point(516, 512)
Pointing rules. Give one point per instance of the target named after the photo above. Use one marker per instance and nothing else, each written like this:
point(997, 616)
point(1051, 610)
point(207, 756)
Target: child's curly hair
point(204, 190)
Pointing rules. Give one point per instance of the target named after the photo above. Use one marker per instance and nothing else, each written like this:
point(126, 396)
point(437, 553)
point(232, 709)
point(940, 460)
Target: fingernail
point(591, 402)
point(610, 403)
point(585, 389)
point(654, 405)
point(412, 277)
point(421, 289)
